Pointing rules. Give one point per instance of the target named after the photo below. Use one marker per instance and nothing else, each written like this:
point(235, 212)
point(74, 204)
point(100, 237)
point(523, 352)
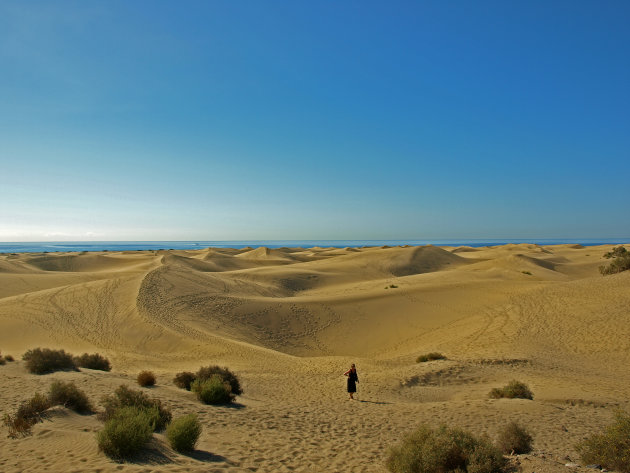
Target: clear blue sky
point(155, 120)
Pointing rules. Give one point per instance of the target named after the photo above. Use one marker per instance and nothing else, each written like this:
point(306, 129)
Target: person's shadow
point(374, 402)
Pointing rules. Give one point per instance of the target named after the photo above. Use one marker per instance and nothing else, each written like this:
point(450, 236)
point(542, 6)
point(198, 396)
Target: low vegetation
point(27, 415)
point(125, 397)
point(620, 261)
point(68, 395)
point(146, 379)
point(430, 357)
point(126, 432)
point(8, 358)
point(610, 449)
point(186, 380)
point(514, 389)
point(45, 360)
point(514, 438)
point(95, 361)
point(213, 391)
point(183, 433)
point(443, 450)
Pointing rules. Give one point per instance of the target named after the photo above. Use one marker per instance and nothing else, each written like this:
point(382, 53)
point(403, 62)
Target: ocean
point(66, 246)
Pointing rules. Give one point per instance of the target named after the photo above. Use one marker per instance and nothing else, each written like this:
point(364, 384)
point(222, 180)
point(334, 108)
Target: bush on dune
point(95, 361)
point(184, 379)
point(8, 358)
point(126, 432)
point(146, 378)
point(620, 261)
point(28, 414)
point(515, 389)
point(225, 374)
point(514, 438)
point(125, 397)
point(45, 360)
point(444, 450)
point(430, 357)
point(610, 449)
point(68, 395)
point(183, 433)
point(213, 391)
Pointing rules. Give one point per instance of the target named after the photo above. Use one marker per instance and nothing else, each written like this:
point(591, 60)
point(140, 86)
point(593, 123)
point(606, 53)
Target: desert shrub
point(514, 389)
point(620, 261)
point(225, 374)
point(184, 379)
point(213, 391)
point(514, 438)
point(125, 433)
point(183, 433)
point(28, 414)
point(8, 358)
point(2, 360)
point(125, 397)
point(610, 449)
point(443, 450)
point(95, 361)
point(68, 395)
point(45, 360)
point(146, 378)
point(430, 357)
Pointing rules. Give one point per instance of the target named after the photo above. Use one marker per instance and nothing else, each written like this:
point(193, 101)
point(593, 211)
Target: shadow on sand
point(373, 402)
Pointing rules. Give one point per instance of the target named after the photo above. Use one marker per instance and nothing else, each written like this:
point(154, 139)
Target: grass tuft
point(68, 395)
point(430, 357)
point(514, 438)
point(27, 415)
point(183, 433)
point(513, 390)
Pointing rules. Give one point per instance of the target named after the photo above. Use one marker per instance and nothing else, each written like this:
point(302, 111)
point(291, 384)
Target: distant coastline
point(79, 246)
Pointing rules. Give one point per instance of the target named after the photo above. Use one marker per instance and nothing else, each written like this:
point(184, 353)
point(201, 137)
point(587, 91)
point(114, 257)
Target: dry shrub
point(68, 395)
point(430, 357)
point(146, 378)
point(225, 374)
point(2, 360)
point(125, 433)
point(27, 415)
point(95, 361)
point(610, 449)
point(514, 389)
point(443, 450)
point(514, 438)
point(45, 360)
point(183, 433)
point(213, 391)
point(620, 262)
point(125, 397)
point(8, 358)
point(184, 379)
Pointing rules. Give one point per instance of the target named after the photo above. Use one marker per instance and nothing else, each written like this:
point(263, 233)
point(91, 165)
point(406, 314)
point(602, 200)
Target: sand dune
point(290, 320)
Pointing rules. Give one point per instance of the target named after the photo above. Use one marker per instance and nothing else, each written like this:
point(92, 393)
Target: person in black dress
point(353, 378)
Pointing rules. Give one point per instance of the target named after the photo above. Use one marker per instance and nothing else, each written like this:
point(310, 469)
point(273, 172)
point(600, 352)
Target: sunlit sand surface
point(290, 321)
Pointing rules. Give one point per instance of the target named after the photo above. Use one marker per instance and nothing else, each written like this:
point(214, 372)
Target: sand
point(290, 321)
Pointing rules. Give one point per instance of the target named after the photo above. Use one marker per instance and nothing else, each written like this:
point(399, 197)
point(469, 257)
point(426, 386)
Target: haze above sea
point(68, 246)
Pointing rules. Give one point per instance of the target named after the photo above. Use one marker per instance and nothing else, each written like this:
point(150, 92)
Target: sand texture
point(290, 321)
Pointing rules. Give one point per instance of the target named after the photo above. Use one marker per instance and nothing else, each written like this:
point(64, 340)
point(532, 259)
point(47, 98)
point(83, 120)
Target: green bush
point(183, 433)
point(94, 361)
point(125, 397)
point(28, 414)
point(146, 378)
point(45, 360)
point(620, 262)
point(430, 357)
point(68, 395)
point(514, 389)
point(610, 449)
point(444, 450)
point(514, 438)
point(225, 374)
point(125, 433)
point(213, 390)
point(184, 379)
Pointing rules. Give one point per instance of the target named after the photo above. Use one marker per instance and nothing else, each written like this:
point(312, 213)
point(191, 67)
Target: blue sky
point(314, 120)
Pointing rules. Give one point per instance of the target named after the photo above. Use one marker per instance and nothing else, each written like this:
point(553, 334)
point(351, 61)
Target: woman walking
point(353, 378)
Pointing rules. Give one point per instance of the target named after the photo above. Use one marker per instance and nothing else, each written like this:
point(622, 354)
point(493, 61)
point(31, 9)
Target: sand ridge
point(290, 320)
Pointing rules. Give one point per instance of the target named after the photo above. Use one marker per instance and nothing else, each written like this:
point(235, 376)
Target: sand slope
point(290, 320)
